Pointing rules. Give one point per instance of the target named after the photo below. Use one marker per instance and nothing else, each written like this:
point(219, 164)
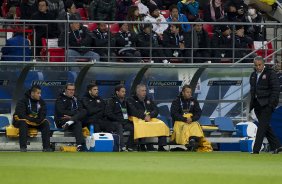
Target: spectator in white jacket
point(155, 16)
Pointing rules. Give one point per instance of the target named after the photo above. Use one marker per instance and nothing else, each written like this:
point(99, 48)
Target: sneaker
point(161, 149)
point(79, 148)
point(142, 147)
point(132, 149)
point(23, 150)
point(123, 149)
point(150, 147)
point(165, 61)
point(191, 146)
point(47, 150)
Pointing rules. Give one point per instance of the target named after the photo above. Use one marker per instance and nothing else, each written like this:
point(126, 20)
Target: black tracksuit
point(264, 99)
point(138, 108)
point(70, 106)
point(114, 112)
point(31, 113)
point(95, 107)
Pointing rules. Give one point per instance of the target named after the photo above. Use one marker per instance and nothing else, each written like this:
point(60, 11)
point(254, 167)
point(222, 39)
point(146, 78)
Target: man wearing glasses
point(69, 113)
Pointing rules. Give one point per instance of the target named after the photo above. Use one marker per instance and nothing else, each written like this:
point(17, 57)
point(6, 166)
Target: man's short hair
point(35, 88)
point(140, 86)
point(90, 86)
point(259, 58)
point(69, 84)
point(186, 86)
point(42, 1)
point(118, 87)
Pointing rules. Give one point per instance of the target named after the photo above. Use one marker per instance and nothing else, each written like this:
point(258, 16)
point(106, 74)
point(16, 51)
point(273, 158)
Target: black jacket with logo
point(113, 109)
point(95, 107)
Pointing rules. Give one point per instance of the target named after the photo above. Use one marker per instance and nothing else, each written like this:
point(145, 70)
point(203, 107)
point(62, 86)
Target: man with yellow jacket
point(185, 111)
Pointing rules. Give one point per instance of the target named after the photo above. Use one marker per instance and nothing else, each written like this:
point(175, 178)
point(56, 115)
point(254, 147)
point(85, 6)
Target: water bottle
point(91, 130)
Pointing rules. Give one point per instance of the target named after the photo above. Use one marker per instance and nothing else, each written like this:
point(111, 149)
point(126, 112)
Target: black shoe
point(192, 145)
point(162, 149)
point(23, 150)
point(276, 151)
point(79, 148)
point(150, 147)
point(47, 150)
point(132, 149)
point(142, 147)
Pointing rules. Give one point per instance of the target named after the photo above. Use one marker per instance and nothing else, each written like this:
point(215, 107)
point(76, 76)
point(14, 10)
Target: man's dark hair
point(186, 86)
point(90, 86)
point(69, 84)
point(34, 88)
point(118, 87)
point(68, 4)
point(42, 1)
point(172, 7)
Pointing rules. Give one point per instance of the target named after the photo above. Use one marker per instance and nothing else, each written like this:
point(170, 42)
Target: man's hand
point(66, 117)
point(189, 120)
point(147, 118)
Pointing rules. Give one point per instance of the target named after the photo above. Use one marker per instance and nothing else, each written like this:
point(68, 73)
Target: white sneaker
point(165, 61)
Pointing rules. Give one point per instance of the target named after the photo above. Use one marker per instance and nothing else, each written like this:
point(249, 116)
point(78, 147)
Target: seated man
point(31, 113)
point(185, 111)
point(117, 112)
point(79, 41)
point(95, 107)
point(144, 112)
point(69, 113)
point(175, 16)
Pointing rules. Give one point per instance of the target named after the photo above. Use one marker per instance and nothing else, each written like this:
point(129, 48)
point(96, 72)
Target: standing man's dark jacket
point(95, 107)
point(114, 109)
point(70, 106)
point(139, 108)
point(29, 109)
point(180, 106)
point(266, 90)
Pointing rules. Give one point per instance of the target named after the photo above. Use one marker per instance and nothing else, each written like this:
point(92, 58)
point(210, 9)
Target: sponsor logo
point(165, 83)
point(225, 83)
point(4, 82)
point(108, 82)
point(49, 83)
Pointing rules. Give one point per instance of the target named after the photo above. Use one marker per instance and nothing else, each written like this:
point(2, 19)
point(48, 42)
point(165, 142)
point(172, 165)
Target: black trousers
point(120, 127)
point(23, 131)
point(76, 129)
point(264, 128)
point(161, 141)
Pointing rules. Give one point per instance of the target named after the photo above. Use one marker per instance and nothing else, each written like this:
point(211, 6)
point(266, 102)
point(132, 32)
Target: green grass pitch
point(135, 168)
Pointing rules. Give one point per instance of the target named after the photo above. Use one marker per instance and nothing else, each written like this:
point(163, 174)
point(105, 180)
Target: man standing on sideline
point(69, 113)
point(265, 90)
point(31, 113)
point(117, 112)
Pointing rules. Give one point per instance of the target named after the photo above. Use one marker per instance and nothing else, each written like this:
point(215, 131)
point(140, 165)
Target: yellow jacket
point(269, 2)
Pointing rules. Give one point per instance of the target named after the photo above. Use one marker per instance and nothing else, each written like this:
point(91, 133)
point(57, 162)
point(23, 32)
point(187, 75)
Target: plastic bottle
point(91, 130)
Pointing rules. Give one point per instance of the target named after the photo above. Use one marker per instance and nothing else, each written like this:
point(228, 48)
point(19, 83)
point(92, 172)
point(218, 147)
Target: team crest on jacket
point(192, 103)
point(98, 101)
point(148, 102)
point(264, 76)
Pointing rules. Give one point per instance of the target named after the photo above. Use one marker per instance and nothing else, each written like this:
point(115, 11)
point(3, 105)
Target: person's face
point(141, 92)
point(198, 27)
point(174, 13)
point(121, 93)
point(42, 7)
point(147, 30)
point(75, 26)
point(36, 95)
point(70, 90)
point(187, 93)
point(72, 9)
point(156, 13)
point(103, 27)
point(227, 32)
point(136, 13)
point(94, 91)
point(259, 65)
point(124, 28)
point(174, 29)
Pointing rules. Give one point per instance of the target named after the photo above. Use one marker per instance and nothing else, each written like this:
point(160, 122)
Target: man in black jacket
point(95, 107)
point(117, 112)
point(264, 91)
point(31, 113)
point(144, 108)
point(69, 114)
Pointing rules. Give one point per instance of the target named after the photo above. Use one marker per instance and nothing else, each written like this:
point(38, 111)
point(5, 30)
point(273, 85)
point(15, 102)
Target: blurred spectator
point(16, 48)
point(79, 41)
point(148, 39)
point(243, 44)
point(102, 37)
point(256, 32)
point(168, 3)
point(44, 29)
point(122, 9)
point(236, 10)
point(56, 7)
point(133, 15)
point(11, 3)
point(214, 11)
point(175, 16)
point(143, 6)
point(266, 6)
point(80, 3)
point(28, 8)
point(126, 41)
point(155, 16)
point(70, 9)
point(173, 42)
point(200, 42)
point(103, 10)
point(189, 8)
point(222, 44)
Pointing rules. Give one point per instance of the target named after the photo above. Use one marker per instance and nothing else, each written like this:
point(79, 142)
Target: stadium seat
point(4, 9)
point(165, 13)
point(91, 26)
point(4, 121)
point(51, 52)
point(204, 120)
point(83, 13)
point(18, 12)
point(114, 28)
point(225, 124)
point(209, 29)
point(264, 51)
